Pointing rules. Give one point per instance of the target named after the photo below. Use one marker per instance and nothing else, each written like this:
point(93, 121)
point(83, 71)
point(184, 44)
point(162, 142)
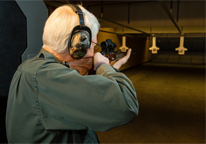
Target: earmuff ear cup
point(80, 40)
point(80, 43)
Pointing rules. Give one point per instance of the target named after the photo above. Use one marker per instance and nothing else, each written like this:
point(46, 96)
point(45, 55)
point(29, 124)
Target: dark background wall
point(21, 30)
point(13, 42)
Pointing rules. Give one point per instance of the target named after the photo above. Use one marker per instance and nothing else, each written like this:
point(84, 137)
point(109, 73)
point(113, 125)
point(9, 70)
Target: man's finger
point(129, 52)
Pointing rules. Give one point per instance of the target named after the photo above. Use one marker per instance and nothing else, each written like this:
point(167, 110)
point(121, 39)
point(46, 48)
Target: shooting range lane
point(172, 105)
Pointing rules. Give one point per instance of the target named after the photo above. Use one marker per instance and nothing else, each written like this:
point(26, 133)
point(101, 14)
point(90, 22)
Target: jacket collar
point(48, 54)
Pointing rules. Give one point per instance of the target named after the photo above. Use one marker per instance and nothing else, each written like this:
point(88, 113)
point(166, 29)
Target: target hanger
point(123, 48)
point(154, 48)
point(181, 49)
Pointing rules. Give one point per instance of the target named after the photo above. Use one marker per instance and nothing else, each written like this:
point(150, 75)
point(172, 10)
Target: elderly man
point(49, 102)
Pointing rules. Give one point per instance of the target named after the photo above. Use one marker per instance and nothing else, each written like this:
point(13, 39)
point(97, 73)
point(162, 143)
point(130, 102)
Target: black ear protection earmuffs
point(80, 40)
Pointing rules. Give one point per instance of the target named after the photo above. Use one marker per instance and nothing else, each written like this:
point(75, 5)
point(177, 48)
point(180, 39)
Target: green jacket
point(51, 103)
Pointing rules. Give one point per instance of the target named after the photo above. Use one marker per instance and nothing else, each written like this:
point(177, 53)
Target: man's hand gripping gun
point(108, 51)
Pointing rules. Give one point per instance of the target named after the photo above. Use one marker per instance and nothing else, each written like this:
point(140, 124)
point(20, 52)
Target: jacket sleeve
point(69, 101)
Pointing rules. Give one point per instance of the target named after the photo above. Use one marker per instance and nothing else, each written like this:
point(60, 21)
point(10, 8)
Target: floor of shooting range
point(172, 105)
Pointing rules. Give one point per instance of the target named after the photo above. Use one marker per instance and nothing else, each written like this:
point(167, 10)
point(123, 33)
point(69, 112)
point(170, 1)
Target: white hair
point(59, 25)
